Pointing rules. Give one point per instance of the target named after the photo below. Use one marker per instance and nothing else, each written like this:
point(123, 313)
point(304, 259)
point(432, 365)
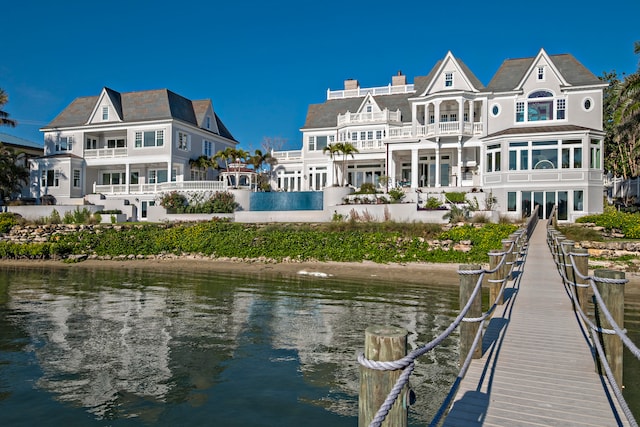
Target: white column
point(391, 167)
point(438, 164)
point(414, 168)
point(460, 115)
point(459, 174)
point(472, 113)
point(436, 117)
point(127, 177)
point(414, 114)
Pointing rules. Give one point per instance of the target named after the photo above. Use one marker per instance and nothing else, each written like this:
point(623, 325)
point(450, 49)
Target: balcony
point(105, 153)
point(201, 186)
point(385, 116)
point(290, 155)
point(450, 128)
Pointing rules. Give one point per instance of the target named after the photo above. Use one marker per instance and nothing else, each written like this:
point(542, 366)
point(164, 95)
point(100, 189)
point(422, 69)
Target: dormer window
point(448, 79)
point(208, 124)
point(540, 73)
point(105, 113)
point(369, 108)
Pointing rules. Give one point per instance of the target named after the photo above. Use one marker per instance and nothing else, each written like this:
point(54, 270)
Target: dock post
point(566, 247)
point(496, 279)
point(508, 246)
point(468, 330)
point(582, 264)
point(613, 297)
point(382, 344)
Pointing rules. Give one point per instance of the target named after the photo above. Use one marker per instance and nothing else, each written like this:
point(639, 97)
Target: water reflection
point(133, 346)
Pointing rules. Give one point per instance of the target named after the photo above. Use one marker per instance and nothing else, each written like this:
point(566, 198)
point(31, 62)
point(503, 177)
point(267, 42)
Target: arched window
point(540, 105)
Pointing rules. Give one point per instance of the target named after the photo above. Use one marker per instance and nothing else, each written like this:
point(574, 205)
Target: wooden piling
point(382, 344)
point(582, 265)
point(566, 247)
point(613, 297)
point(496, 279)
point(468, 330)
point(508, 246)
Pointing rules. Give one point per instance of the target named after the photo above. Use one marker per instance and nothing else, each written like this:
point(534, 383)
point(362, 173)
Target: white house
point(128, 147)
point(532, 136)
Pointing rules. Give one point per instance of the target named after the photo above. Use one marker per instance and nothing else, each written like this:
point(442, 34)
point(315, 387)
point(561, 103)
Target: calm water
point(134, 347)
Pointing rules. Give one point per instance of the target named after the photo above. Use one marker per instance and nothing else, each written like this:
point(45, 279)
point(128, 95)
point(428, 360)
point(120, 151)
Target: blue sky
point(262, 63)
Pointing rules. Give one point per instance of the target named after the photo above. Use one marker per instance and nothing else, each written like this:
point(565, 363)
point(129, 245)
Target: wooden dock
point(537, 368)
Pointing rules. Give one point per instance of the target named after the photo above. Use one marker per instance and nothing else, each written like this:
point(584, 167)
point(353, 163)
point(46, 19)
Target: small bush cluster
point(220, 202)
point(7, 220)
point(615, 221)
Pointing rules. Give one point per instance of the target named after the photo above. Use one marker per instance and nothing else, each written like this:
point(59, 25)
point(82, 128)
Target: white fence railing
point(381, 90)
point(105, 153)
point(621, 188)
point(204, 186)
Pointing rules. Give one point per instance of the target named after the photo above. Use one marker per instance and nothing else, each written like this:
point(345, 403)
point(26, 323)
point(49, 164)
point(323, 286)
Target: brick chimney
point(399, 79)
point(351, 84)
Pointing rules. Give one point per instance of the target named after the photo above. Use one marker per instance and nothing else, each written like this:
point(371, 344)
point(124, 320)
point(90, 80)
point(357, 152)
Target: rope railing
point(514, 250)
point(566, 257)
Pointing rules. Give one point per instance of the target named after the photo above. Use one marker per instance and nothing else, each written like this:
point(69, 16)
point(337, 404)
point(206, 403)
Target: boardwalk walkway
point(537, 368)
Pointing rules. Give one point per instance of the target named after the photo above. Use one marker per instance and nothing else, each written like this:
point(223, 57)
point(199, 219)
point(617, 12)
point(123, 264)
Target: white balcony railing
point(203, 186)
point(287, 155)
point(382, 116)
point(381, 90)
point(105, 153)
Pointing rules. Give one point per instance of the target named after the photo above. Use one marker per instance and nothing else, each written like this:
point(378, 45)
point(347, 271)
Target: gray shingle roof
point(147, 105)
point(512, 71)
point(15, 141)
point(325, 115)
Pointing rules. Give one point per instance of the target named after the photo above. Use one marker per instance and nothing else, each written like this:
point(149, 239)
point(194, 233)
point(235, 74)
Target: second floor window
point(207, 148)
point(152, 138)
point(539, 106)
point(183, 141)
point(105, 113)
point(64, 143)
point(76, 178)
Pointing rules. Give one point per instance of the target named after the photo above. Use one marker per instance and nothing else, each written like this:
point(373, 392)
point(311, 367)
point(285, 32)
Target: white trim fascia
point(364, 102)
point(528, 136)
point(584, 88)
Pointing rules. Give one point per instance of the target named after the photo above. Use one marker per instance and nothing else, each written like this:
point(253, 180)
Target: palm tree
point(625, 99)
point(4, 116)
point(202, 163)
point(12, 174)
point(346, 149)
point(333, 150)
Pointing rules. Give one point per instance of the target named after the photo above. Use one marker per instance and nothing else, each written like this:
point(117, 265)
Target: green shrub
point(396, 195)
point(173, 200)
point(433, 203)
point(367, 188)
point(7, 221)
point(613, 220)
point(224, 202)
point(456, 196)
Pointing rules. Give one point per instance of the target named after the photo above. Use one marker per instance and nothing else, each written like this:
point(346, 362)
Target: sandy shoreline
point(414, 273)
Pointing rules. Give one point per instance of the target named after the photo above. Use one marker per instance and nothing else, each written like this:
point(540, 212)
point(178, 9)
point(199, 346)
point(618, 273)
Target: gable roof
point(512, 71)
point(325, 115)
point(160, 104)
